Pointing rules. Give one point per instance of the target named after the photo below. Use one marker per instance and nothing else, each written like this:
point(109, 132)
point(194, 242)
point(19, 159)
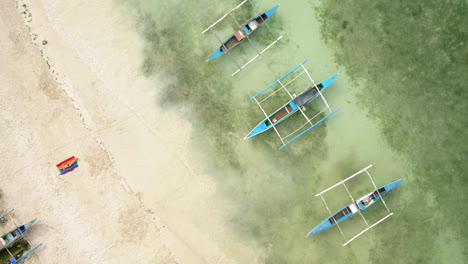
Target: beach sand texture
point(86, 218)
point(68, 89)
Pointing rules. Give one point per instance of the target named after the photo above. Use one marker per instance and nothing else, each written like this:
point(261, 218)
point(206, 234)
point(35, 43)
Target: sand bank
point(70, 86)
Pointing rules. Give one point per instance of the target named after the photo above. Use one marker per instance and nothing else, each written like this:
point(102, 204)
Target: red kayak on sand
point(68, 165)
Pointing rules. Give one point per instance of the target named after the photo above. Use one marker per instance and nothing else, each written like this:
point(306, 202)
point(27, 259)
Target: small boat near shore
point(244, 32)
point(291, 107)
point(14, 242)
point(351, 209)
point(16, 234)
point(295, 104)
point(355, 207)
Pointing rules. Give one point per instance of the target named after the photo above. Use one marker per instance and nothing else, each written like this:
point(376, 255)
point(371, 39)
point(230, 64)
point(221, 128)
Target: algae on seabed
point(413, 56)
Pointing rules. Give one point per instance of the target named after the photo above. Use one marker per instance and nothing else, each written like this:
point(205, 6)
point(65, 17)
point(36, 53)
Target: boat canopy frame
point(230, 13)
point(22, 237)
point(347, 241)
point(308, 120)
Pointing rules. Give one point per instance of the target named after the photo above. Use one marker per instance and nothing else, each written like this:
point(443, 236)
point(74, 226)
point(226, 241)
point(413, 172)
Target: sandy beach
point(68, 89)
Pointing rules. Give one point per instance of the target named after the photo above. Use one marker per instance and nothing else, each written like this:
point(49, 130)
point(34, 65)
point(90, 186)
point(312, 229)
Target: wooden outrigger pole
point(266, 115)
point(345, 180)
point(256, 56)
point(259, 52)
point(219, 20)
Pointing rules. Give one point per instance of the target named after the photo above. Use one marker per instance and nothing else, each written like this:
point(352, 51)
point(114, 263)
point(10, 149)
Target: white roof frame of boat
point(308, 120)
point(22, 237)
point(251, 43)
point(347, 241)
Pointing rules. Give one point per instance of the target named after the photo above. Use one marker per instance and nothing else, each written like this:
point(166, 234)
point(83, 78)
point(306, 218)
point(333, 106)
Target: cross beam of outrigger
point(245, 30)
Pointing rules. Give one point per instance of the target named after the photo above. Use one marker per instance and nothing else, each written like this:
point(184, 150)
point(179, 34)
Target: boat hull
point(245, 31)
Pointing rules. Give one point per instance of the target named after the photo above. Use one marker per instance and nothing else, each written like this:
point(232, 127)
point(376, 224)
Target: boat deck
point(307, 96)
point(339, 215)
point(280, 114)
point(261, 19)
point(377, 193)
point(230, 44)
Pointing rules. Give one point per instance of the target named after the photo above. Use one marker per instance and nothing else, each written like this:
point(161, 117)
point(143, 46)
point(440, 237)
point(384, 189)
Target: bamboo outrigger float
point(355, 207)
point(245, 30)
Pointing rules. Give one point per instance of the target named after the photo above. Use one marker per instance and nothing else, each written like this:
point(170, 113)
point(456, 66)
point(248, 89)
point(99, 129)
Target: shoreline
point(133, 169)
point(71, 223)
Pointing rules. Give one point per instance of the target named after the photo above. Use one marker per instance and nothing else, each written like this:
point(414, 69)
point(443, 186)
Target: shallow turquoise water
point(388, 107)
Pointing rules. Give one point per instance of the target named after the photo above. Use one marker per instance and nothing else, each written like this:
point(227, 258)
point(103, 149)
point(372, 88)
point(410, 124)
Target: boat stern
point(392, 185)
point(27, 226)
point(322, 226)
point(270, 12)
point(217, 53)
point(261, 127)
point(328, 81)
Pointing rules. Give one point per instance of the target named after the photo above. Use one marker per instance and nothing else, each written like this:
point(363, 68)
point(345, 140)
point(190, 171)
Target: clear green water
point(403, 110)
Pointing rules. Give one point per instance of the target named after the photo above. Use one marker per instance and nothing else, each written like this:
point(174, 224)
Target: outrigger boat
point(244, 32)
point(296, 104)
point(291, 107)
point(13, 237)
point(351, 209)
point(355, 207)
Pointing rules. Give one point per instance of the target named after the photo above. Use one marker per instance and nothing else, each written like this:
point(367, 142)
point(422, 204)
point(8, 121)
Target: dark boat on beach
point(11, 237)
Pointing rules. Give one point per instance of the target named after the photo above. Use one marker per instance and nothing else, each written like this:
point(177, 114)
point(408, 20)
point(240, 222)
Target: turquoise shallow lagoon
point(403, 108)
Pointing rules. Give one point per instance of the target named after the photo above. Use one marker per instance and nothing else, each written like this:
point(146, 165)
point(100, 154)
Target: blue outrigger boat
point(296, 103)
point(9, 240)
point(360, 204)
point(291, 107)
point(244, 32)
point(15, 234)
